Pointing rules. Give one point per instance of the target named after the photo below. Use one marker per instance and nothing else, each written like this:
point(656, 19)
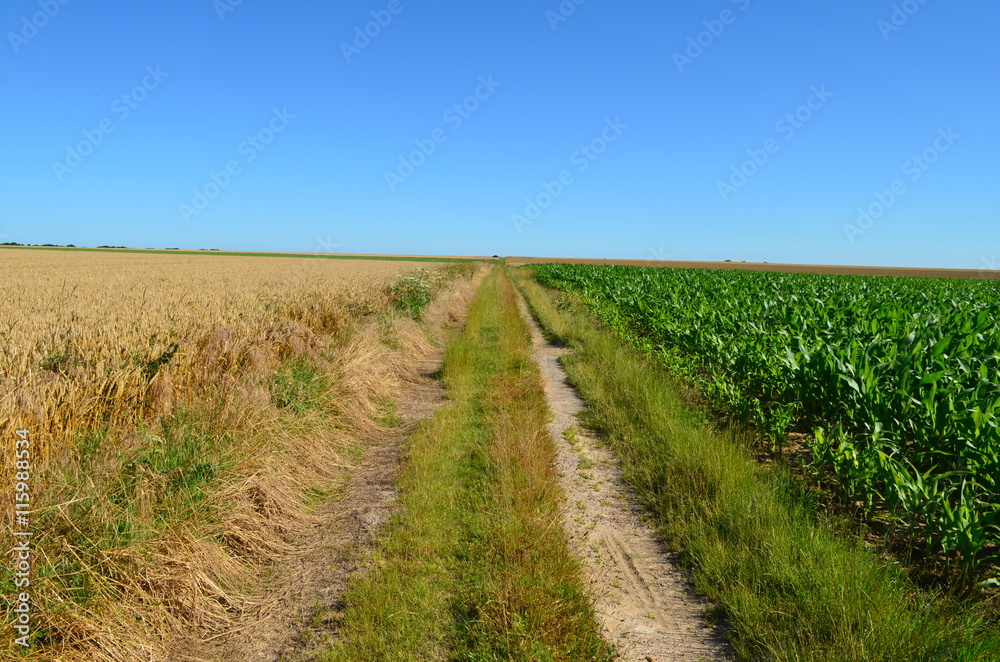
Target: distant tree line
point(14, 243)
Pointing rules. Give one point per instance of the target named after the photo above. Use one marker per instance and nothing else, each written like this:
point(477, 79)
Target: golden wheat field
point(80, 329)
point(178, 409)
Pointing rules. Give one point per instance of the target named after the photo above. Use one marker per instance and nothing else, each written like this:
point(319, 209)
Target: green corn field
point(895, 382)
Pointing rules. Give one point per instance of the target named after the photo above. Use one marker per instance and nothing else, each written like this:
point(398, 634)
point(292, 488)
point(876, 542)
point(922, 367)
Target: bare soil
point(645, 603)
point(346, 537)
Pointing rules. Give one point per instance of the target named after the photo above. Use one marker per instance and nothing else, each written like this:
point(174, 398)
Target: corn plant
point(901, 376)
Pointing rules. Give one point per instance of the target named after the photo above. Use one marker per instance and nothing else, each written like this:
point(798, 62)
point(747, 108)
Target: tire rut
point(645, 603)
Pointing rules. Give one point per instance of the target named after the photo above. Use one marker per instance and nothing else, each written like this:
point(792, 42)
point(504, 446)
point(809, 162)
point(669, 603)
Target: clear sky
point(723, 129)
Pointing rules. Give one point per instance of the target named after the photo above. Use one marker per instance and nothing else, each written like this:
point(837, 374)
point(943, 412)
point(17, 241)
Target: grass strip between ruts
point(475, 566)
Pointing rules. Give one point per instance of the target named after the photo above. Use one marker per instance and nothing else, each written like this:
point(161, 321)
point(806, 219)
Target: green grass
point(125, 499)
point(475, 566)
point(791, 585)
point(150, 251)
point(300, 387)
point(119, 498)
point(412, 294)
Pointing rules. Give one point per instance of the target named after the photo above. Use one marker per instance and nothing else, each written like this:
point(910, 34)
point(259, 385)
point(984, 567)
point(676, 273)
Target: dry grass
point(179, 410)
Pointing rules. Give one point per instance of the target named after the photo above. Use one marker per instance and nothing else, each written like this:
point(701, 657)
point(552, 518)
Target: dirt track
point(645, 604)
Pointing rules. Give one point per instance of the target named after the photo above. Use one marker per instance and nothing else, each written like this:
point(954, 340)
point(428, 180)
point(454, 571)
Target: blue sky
point(730, 129)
